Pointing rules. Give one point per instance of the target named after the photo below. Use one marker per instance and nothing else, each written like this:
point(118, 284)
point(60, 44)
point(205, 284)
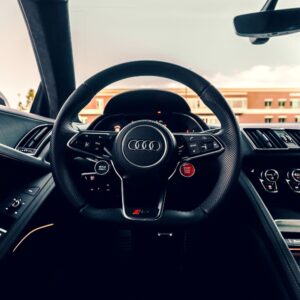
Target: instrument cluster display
point(175, 122)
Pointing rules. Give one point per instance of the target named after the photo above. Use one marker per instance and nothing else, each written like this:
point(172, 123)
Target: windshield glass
point(261, 82)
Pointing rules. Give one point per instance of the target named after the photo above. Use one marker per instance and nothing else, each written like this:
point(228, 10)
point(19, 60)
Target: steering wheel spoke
point(196, 145)
point(143, 199)
point(92, 143)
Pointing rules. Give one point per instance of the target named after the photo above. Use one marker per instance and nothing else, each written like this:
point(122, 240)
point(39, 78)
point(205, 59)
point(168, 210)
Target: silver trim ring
point(293, 175)
point(144, 145)
point(164, 146)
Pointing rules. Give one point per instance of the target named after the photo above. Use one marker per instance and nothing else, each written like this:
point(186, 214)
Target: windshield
point(262, 82)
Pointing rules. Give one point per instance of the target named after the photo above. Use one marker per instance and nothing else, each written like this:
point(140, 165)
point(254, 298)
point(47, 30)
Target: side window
point(19, 76)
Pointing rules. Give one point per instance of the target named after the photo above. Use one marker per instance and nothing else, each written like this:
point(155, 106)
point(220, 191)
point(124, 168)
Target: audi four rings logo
point(144, 145)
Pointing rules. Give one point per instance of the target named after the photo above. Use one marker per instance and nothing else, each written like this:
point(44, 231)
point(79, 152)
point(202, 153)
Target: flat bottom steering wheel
point(150, 169)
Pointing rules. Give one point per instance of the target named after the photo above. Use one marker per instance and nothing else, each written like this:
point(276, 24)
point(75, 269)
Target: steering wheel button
point(102, 167)
point(87, 145)
point(193, 148)
point(216, 146)
point(77, 143)
point(89, 177)
point(192, 145)
point(210, 146)
point(204, 147)
point(189, 138)
point(96, 149)
point(204, 138)
point(187, 170)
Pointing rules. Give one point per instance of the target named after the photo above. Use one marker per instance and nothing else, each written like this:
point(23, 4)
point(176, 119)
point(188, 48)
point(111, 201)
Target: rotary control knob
point(268, 179)
point(16, 203)
point(14, 206)
point(271, 175)
point(295, 175)
point(293, 180)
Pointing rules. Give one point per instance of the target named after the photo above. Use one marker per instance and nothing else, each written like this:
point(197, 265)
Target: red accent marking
point(136, 212)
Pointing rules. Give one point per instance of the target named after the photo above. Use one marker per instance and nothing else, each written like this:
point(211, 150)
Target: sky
point(197, 34)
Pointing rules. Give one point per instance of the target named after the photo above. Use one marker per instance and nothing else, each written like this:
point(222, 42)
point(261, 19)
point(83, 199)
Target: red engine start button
point(187, 170)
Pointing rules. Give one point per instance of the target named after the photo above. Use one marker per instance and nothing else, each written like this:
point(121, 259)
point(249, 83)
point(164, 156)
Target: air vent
point(265, 139)
point(295, 135)
point(31, 142)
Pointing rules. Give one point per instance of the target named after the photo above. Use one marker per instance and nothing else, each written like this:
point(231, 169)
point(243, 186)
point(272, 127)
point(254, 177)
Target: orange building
point(267, 105)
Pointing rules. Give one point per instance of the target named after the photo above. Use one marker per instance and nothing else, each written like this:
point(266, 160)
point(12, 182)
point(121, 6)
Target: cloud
point(260, 76)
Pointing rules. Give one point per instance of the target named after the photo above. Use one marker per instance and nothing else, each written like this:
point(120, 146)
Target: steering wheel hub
point(143, 145)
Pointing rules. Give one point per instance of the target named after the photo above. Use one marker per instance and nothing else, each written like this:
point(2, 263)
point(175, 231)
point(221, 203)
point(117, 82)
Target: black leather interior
point(265, 242)
point(236, 251)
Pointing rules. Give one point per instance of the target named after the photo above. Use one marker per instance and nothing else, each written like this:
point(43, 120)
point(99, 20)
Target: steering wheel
point(145, 154)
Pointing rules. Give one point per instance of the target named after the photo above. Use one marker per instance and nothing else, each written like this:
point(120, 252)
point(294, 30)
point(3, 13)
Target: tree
point(29, 99)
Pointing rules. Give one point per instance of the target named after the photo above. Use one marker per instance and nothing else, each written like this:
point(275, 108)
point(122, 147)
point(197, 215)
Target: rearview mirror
point(269, 23)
